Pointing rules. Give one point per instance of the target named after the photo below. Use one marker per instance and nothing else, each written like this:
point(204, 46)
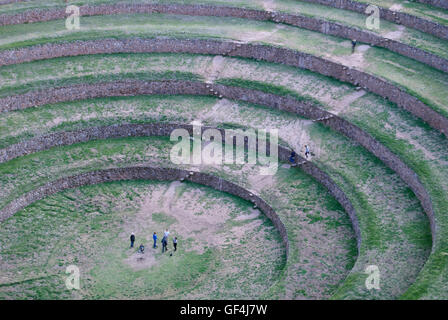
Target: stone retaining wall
point(165, 129)
point(314, 24)
point(143, 173)
point(12, 1)
point(405, 19)
point(217, 47)
point(346, 128)
point(436, 3)
point(290, 104)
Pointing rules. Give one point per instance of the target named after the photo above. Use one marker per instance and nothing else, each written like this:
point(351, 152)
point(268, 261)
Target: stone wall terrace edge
point(216, 47)
point(405, 19)
point(164, 129)
point(310, 23)
point(285, 103)
point(143, 173)
point(348, 129)
point(436, 3)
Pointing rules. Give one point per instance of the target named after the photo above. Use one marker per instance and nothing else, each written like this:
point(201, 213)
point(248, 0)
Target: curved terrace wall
point(436, 3)
point(229, 48)
point(289, 104)
point(12, 1)
point(165, 129)
point(318, 25)
point(405, 19)
point(146, 173)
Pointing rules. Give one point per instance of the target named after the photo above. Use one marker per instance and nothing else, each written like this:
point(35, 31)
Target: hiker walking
point(164, 243)
point(154, 237)
point(175, 243)
point(132, 239)
point(307, 151)
point(353, 45)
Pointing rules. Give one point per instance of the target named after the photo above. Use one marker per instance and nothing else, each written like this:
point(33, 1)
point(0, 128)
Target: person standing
point(353, 45)
point(154, 237)
point(164, 242)
point(175, 243)
point(307, 151)
point(292, 157)
point(165, 235)
point(132, 239)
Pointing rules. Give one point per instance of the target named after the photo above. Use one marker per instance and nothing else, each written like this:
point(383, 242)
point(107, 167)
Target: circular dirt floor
point(226, 249)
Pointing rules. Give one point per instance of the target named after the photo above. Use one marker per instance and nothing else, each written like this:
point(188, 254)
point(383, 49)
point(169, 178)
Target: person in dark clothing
point(141, 249)
point(353, 45)
point(164, 243)
point(292, 158)
point(132, 240)
point(175, 243)
point(154, 237)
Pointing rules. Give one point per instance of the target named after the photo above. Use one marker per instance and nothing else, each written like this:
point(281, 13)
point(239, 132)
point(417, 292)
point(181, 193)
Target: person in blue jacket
point(292, 157)
point(154, 237)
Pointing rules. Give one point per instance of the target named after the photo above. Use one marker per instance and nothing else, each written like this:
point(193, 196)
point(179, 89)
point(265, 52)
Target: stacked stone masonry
point(286, 103)
point(143, 173)
point(436, 3)
point(217, 47)
point(165, 129)
point(314, 24)
point(405, 19)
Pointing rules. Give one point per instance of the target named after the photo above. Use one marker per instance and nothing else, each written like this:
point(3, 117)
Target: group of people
point(292, 157)
point(164, 241)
